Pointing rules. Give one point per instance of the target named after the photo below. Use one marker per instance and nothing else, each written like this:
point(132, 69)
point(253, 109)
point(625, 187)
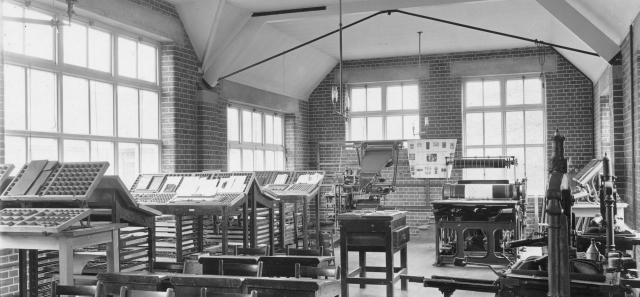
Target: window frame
point(58, 67)
point(383, 112)
point(241, 145)
point(503, 108)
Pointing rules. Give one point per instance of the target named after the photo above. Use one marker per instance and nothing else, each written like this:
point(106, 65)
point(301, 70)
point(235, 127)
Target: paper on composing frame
point(281, 179)
point(171, 184)
point(225, 185)
point(303, 179)
point(208, 187)
point(189, 185)
point(238, 184)
point(427, 157)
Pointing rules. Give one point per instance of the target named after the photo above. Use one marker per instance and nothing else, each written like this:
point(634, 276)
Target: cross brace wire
point(418, 16)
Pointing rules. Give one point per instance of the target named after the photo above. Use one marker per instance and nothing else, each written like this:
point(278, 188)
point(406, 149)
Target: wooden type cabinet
point(383, 233)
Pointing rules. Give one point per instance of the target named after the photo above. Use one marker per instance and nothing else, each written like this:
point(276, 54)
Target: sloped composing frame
point(67, 181)
point(267, 179)
point(52, 220)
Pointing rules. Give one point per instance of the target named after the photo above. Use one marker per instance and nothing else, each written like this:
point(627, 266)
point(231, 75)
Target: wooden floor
point(421, 254)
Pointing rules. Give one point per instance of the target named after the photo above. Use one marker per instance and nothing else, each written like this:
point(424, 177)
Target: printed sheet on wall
point(426, 157)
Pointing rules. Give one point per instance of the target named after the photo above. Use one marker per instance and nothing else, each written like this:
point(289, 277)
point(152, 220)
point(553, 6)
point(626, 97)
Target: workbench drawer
point(401, 236)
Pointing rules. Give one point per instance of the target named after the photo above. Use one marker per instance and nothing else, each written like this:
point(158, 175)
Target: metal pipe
point(633, 129)
point(415, 15)
point(606, 190)
point(340, 91)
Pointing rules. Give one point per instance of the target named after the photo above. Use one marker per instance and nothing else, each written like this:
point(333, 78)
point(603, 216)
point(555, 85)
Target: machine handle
point(526, 242)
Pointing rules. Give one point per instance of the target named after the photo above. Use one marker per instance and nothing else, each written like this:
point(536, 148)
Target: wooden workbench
point(65, 242)
point(385, 233)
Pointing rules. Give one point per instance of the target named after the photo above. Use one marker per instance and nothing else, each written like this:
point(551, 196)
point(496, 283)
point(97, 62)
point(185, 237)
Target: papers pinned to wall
point(427, 157)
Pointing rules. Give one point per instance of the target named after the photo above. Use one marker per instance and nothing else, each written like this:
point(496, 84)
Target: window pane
point(535, 171)
point(517, 152)
point(149, 114)
point(492, 93)
point(532, 91)
point(515, 127)
point(246, 126)
point(147, 62)
point(358, 99)
point(374, 131)
point(279, 160)
point(234, 160)
point(44, 149)
point(411, 127)
point(232, 125)
point(99, 50)
point(15, 98)
point(75, 44)
point(76, 150)
point(268, 129)
point(128, 162)
point(257, 127)
point(258, 160)
point(44, 111)
point(127, 112)
point(102, 151)
point(474, 127)
point(127, 57)
point(75, 107)
point(494, 173)
point(270, 160)
point(534, 126)
point(394, 97)
point(474, 173)
point(514, 92)
point(277, 130)
point(474, 93)
point(247, 160)
point(358, 129)
point(374, 99)
point(15, 149)
point(13, 31)
point(39, 38)
point(394, 127)
point(101, 95)
point(410, 97)
point(493, 128)
point(150, 157)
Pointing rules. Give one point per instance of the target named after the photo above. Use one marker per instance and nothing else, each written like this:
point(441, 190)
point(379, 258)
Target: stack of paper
point(281, 179)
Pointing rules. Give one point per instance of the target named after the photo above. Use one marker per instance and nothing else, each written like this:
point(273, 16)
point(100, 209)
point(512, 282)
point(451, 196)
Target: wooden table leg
point(318, 220)
point(66, 261)
point(389, 262)
point(362, 262)
point(344, 262)
point(225, 231)
point(403, 264)
point(113, 252)
point(305, 224)
point(23, 269)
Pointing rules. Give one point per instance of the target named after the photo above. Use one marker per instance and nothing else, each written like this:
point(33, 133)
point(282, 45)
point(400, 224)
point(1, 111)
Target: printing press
point(366, 227)
point(476, 217)
point(563, 270)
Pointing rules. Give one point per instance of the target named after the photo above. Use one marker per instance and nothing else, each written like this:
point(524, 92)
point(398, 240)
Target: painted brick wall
point(296, 130)
point(569, 107)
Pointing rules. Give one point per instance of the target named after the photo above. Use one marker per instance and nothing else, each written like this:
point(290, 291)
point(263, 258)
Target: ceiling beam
point(361, 7)
point(582, 28)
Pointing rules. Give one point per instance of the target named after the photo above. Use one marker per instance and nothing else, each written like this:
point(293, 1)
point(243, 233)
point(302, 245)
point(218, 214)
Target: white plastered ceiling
point(227, 38)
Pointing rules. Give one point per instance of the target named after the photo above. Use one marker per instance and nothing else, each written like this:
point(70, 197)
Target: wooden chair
point(167, 266)
point(124, 292)
point(240, 269)
point(192, 267)
point(204, 293)
point(260, 251)
point(315, 272)
point(96, 291)
point(303, 252)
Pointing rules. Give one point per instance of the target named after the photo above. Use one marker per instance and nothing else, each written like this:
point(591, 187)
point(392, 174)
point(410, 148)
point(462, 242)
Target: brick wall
point(212, 132)
point(296, 130)
point(179, 117)
point(569, 107)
